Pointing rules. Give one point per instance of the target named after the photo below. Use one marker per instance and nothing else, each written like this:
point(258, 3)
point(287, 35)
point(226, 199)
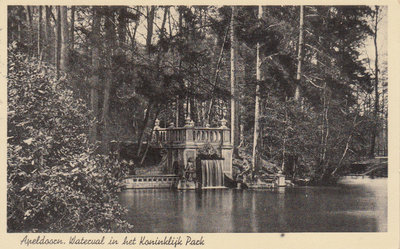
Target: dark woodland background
point(86, 85)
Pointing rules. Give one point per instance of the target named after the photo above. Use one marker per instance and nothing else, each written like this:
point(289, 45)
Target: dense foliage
point(55, 182)
point(131, 65)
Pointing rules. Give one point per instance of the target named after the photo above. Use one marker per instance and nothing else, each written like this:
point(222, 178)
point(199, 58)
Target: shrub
point(55, 183)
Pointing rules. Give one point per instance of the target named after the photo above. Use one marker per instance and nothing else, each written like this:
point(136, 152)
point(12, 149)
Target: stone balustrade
point(198, 135)
point(160, 135)
point(183, 143)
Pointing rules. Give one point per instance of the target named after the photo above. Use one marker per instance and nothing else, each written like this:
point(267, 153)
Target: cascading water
point(212, 174)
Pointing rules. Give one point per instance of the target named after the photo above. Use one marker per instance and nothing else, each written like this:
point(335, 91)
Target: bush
point(55, 181)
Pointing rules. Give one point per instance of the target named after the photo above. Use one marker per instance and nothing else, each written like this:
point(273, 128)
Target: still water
point(355, 205)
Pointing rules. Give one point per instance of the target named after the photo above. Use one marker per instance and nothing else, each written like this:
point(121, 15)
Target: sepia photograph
point(197, 119)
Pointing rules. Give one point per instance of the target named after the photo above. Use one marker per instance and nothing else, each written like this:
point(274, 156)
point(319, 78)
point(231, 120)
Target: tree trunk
point(235, 135)
point(257, 100)
point(149, 137)
point(339, 165)
point(177, 111)
point(133, 38)
point(216, 74)
point(169, 24)
point(143, 128)
point(122, 26)
point(39, 40)
point(376, 85)
point(109, 38)
point(94, 81)
point(64, 39)
point(58, 41)
point(30, 33)
point(150, 20)
point(19, 33)
point(162, 31)
point(72, 29)
point(299, 55)
point(48, 34)
point(325, 128)
point(285, 137)
point(180, 111)
point(193, 110)
point(29, 16)
point(297, 95)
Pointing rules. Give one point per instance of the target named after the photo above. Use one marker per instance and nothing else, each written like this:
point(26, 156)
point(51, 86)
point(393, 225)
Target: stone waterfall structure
point(183, 145)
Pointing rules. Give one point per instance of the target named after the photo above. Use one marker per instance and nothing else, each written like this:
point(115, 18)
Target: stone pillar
point(189, 134)
point(157, 124)
point(189, 151)
point(187, 121)
point(226, 153)
point(223, 123)
point(281, 181)
point(226, 148)
point(155, 135)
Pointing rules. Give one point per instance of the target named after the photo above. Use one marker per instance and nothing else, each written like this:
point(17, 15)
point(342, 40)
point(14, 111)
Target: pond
point(354, 205)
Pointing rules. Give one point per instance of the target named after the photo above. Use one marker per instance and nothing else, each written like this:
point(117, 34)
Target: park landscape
point(197, 118)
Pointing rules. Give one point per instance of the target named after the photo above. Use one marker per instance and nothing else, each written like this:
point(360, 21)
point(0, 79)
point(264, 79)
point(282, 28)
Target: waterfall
point(212, 174)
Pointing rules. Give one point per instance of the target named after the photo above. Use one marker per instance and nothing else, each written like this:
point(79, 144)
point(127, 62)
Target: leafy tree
point(55, 182)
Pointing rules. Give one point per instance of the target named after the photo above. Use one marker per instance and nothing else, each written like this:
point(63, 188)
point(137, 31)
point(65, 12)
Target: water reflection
point(351, 206)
